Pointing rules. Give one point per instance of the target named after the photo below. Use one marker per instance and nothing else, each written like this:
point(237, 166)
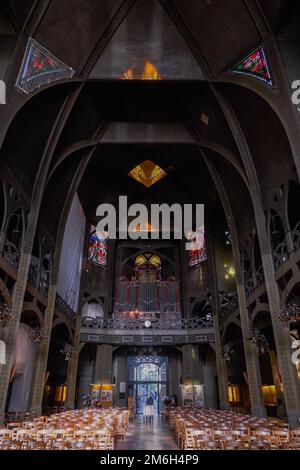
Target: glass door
point(143, 392)
point(148, 378)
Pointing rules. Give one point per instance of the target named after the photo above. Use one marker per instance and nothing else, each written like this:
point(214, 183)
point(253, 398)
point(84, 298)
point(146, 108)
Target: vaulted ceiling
point(92, 129)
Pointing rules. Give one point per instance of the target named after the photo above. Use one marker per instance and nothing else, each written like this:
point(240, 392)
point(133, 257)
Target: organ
point(146, 295)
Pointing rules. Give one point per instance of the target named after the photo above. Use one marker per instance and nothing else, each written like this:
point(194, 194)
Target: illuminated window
point(269, 394)
point(198, 253)
point(147, 372)
point(40, 67)
point(148, 259)
point(60, 393)
point(255, 65)
point(234, 394)
point(149, 72)
point(228, 240)
point(147, 173)
point(97, 248)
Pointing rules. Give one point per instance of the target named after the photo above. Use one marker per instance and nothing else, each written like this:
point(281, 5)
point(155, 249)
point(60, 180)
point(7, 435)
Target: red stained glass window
point(198, 253)
point(255, 65)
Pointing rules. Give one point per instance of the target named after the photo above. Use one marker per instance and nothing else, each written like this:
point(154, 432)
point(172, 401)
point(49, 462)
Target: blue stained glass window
point(40, 67)
point(97, 248)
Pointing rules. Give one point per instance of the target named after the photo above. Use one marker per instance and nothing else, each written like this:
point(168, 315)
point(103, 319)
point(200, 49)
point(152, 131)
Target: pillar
point(120, 372)
point(191, 368)
point(251, 358)
point(73, 365)
point(290, 381)
point(103, 365)
point(288, 372)
point(220, 361)
point(10, 335)
point(38, 382)
point(221, 368)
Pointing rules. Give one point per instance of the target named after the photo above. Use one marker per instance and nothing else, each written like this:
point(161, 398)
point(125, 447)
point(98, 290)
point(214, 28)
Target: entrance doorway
point(148, 378)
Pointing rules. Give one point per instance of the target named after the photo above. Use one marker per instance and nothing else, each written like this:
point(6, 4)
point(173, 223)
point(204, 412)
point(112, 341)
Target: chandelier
point(5, 312)
point(37, 335)
point(254, 336)
point(227, 352)
point(68, 351)
point(289, 312)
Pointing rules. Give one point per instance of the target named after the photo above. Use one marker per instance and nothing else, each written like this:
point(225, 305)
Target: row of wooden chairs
point(206, 429)
point(89, 429)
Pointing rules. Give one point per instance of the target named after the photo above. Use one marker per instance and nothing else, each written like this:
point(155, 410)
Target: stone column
point(73, 365)
point(121, 376)
point(38, 381)
point(103, 365)
point(252, 363)
point(191, 368)
point(276, 378)
point(10, 336)
point(290, 381)
point(220, 361)
point(288, 372)
point(221, 368)
point(42, 357)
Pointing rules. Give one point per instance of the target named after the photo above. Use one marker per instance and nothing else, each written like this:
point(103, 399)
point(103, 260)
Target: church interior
point(115, 343)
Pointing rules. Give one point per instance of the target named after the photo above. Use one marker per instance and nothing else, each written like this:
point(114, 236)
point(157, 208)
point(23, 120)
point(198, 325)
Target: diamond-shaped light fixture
point(147, 173)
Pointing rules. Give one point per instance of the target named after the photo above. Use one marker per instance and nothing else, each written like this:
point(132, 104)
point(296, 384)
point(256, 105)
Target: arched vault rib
point(94, 142)
point(281, 105)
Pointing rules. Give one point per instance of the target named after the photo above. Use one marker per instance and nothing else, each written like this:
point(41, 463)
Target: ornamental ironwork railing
point(141, 324)
point(11, 254)
point(63, 307)
point(39, 280)
point(229, 304)
point(259, 276)
point(249, 287)
point(280, 254)
point(296, 237)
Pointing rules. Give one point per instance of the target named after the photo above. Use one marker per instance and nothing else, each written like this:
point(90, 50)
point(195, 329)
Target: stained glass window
point(198, 253)
point(40, 67)
point(147, 173)
point(146, 372)
point(97, 248)
point(255, 65)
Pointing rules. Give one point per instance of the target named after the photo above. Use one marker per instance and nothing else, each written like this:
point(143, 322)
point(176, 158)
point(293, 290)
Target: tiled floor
point(144, 436)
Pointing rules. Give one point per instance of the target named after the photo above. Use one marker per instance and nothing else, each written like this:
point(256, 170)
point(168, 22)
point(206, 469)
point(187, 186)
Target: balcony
point(144, 331)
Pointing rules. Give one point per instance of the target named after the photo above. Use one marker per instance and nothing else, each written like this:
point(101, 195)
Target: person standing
point(150, 404)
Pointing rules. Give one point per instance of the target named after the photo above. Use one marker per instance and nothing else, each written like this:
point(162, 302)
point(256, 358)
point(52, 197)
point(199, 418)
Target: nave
point(144, 435)
point(190, 429)
point(149, 225)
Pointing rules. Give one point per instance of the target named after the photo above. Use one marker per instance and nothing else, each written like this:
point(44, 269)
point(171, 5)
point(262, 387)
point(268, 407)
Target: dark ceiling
point(178, 122)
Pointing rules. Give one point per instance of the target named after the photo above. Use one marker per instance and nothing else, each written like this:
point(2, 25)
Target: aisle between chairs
point(154, 435)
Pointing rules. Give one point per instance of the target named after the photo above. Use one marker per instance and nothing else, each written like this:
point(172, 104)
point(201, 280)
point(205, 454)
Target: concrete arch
point(6, 294)
point(63, 321)
point(258, 309)
point(31, 307)
point(270, 96)
point(232, 322)
point(291, 284)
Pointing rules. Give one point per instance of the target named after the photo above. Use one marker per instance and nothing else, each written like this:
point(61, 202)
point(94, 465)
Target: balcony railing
point(148, 325)
point(11, 254)
point(63, 307)
point(229, 305)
